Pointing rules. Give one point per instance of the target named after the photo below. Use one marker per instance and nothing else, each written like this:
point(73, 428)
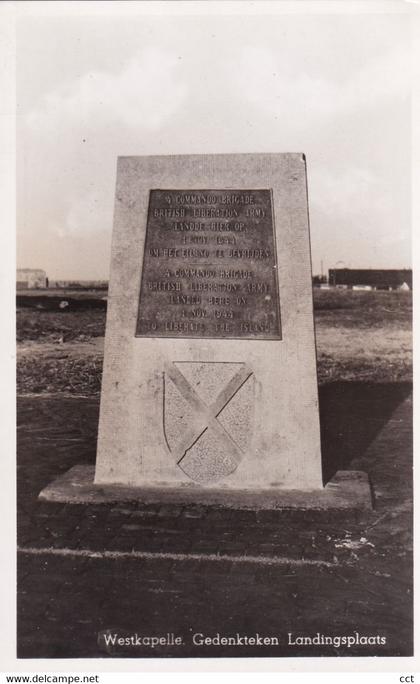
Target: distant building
point(319, 280)
point(31, 279)
point(79, 284)
point(371, 279)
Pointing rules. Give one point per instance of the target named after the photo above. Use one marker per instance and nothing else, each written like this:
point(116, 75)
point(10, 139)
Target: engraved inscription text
point(209, 266)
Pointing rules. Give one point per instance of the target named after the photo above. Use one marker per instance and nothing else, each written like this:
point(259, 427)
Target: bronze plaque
point(209, 266)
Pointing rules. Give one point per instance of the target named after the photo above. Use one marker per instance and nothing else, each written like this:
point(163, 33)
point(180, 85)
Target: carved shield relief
point(208, 416)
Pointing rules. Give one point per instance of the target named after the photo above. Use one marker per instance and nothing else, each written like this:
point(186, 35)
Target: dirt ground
point(360, 336)
point(87, 571)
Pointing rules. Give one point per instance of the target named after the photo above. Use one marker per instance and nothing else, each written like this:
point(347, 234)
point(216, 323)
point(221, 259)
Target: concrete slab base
point(348, 490)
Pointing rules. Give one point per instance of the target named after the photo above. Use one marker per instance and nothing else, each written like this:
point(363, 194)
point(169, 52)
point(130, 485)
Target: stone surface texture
point(347, 491)
point(229, 414)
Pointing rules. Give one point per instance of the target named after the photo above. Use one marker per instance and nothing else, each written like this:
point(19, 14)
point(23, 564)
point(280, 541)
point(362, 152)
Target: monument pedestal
point(348, 490)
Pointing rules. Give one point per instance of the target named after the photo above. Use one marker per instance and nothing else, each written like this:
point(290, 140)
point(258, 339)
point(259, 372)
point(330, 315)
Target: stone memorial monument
point(209, 388)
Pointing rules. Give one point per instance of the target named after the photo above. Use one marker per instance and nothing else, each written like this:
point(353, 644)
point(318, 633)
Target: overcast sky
point(336, 87)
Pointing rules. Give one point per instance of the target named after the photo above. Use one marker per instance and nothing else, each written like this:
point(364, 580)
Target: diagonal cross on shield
point(202, 445)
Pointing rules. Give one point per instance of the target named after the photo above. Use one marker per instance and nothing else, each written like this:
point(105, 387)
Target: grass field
point(361, 336)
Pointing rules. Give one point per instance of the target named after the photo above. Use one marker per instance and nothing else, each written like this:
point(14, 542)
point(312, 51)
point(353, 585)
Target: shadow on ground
point(351, 415)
